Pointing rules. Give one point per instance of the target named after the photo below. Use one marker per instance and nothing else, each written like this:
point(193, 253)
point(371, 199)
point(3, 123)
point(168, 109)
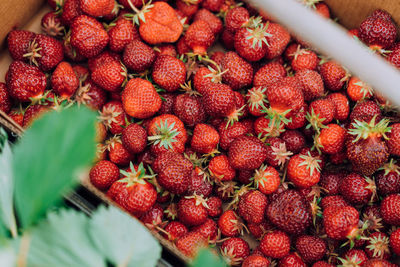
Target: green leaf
point(6, 192)
point(123, 240)
point(207, 258)
point(47, 158)
point(62, 240)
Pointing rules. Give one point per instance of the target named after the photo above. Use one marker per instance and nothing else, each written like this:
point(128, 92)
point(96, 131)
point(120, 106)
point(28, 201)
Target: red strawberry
point(121, 34)
point(230, 224)
point(190, 243)
point(247, 153)
point(322, 264)
point(91, 95)
point(187, 8)
point(234, 250)
point(330, 182)
point(64, 81)
point(290, 212)
point(25, 82)
point(153, 218)
point(394, 138)
point(331, 139)
point(167, 103)
point(311, 248)
point(138, 56)
point(199, 37)
point(251, 42)
point(219, 100)
point(341, 104)
point(252, 206)
point(5, 102)
point(294, 140)
point(51, 24)
point(341, 222)
point(320, 113)
point(395, 241)
point(275, 244)
point(235, 18)
point(199, 184)
point(228, 39)
point(113, 116)
point(110, 76)
point(214, 206)
point(88, 36)
point(377, 246)
point(97, 8)
point(192, 210)
point(205, 139)
point(378, 263)
point(18, 42)
point(189, 109)
point(312, 83)
point(304, 170)
point(103, 58)
point(175, 230)
point(334, 75)
point(117, 153)
point(269, 74)
point(140, 99)
point(388, 179)
point(212, 5)
point(208, 229)
point(356, 189)
point(304, 59)
point(277, 154)
point(292, 260)
point(266, 179)
point(255, 261)
point(221, 169)
point(239, 73)
point(169, 72)
point(390, 209)
point(278, 39)
point(365, 111)
point(134, 138)
point(104, 174)
point(213, 21)
point(230, 133)
point(333, 201)
point(353, 257)
point(70, 11)
point(174, 171)
point(394, 56)
point(256, 100)
point(358, 90)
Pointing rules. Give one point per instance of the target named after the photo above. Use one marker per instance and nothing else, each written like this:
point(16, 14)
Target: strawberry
point(167, 133)
point(304, 59)
point(97, 8)
point(388, 179)
point(334, 75)
point(208, 229)
point(51, 24)
point(252, 206)
point(138, 56)
point(358, 90)
point(5, 102)
point(275, 244)
point(235, 18)
point(330, 182)
point(247, 153)
point(228, 39)
point(265, 127)
point(113, 116)
point(189, 109)
point(117, 153)
point(311, 248)
point(220, 168)
point(219, 100)
point(192, 210)
point(234, 250)
point(356, 189)
point(175, 230)
point(266, 179)
point(140, 99)
point(103, 58)
point(239, 73)
point(214, 206)
point(278, 39)
point(101, 132)
point(277, 154)
point(341, 222)
point(199, 37)
point(205, 78)
point(230, 224)
point(341, 104)
point(88, 36)
point(167, 104)
point(333, 201)
point(395, 241)
point(365, 111)
point(32, 113)
point(55, 4)
point(378, 30)
point(104, 174)
point(366, 150)
point(70, 11)
point(322, 264)
point(355, 257)
point(190, 243)
point(212, 5)
point(290, 212)
point(304, 170)
point(153, 218)
point(331, 139)
point(174, 171)
point(378, 263)
point(258, 230)
point(378, 246)
point(187, 8)
point(205, 139)
point(294, 140)
point(292, 260)
point(323, 10)
point(121, 34)
point(230, 133)
point(393, 141)
point(199, 184)
point(25, 82)
point(394, 56)
point(91, 95)
point(160, 24)
point(269, 74)
point(169, 72)
point(134, 138)
point(110, 76)
point(320, 113)
point(298, 119)
point(390, 207)
point(64, 81)
point(18, 42)
point(69, 51)
point(312, 83)
point(166, 49)
point(251, 42)
point(255, 261)
point(256, 100)
point(213, 21)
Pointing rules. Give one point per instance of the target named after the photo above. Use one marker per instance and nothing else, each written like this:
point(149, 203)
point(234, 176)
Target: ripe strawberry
point(304, 170)
point(355, 257)
point(235, 18)
point(134, 138)
point(341, 222)
point(25, 82)
point(378, 30)
point(278, 39)
point(113, 116)
point(323, 10)
point(18, 42)
point(32, 113)
point(365, 111)
point(205, 139)
point(394, 56)
point(220, 168)
point(121, 34)
point(292, 260)
point(214, 208)
point(334, 75)
point(333, 201)
point(5, 102)
point(393, 141)
point(70, 11)
point(174, 171)
point(205, 78)
point(341, 104)
point(169, 72)
point(208, 229)
point(255, 261)
point(298, 119)
point(103, 58)
point(252, 206)
point(377, 246)
point(228, 38)
point(304, 59)
point(64, 80)
point(219, 100)
point(138, 56)
point(166, 49)
point(189, 109)
point(230, 224)
point(187, 8)
point(192, 210)
point(395, 241)
point(356, 189)
point(167, 133)
point(366, 150)
point(322, 264)
point(390, 209)
point(251, 42)
point(91, 95)
point(331, 139)
point(110, 76)
point(234, 250)
point(140, 99)
point(294, 140)
point(160, 24)
point(239, 73)
point(330, 182)
point(320, 113)
point(167, 104)
point(277, 154)
point(256, 100)
point(97, 8)
point(213, 21)
point(247, 153)
point(153, 218)
point(266, 179)
point(378, 263)
point(312, 83)
point(199, 37)
point(88, 36)
point(117, 153)
point(104, 174)
point(190, 243)
point(311, 248)
point(199, 184)
point(175, 230)
point(388, 179)
point(275, 244)
point(358, 90)
point(51, 24)
point(230, 133)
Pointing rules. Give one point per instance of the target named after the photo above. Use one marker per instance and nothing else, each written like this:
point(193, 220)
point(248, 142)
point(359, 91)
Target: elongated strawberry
point(169, 72)
point(64, 81)
point(205, 138)
point(138, 56)
point(239, 73)
point(104, 174)
point(199, 37)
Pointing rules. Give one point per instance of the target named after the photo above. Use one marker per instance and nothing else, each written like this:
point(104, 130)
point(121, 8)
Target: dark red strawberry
point(292, 260)
point(219, 100)
point(247, 153)
point(234, 250)
point(70, 11)
point(91, 95)
point(113, 116)
point(18, 42)
point(192, 210)
point(239, 73)
point(138, 56)
point(199, 185)
point(175, 230)
point(5, 102)
point(365, 111)
point(311, 248)
point(388, 178)
point(252, 206)
point(51, 24)
point(214, 206)
point(213, 21)
point(189, 109)
point(134, 138)
point(104, 174)
point(312, 83)
point(390, 209)
point(294, 140)
point(235, 18)
point(169, 72)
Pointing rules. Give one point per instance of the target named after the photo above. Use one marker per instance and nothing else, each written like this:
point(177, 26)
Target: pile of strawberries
point(262, 139)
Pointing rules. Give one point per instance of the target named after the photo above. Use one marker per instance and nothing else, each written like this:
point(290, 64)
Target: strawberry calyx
point(316, 209)
point(373, 223)
point(389, 167)
point(311, 3)
point(53, 28)
point(365, 130)
point(190, 2)
point(33, 52)
point(379, 245)
point(110, 143)
point(371, 187)
point(227, 189)
point(350, 262)
point(355, 233)
point(258, 34)
point(380, 50)
point(199, 200)
point(365, 89)
point(139, 14)
point(230, 258)
point(312, 163)
point(234, 116)
point(300, 51)
point(281, 154)
point(277, 117)
point(166, 135)
point(81, 96)
point(187, 88)
point(135, 175)
point(257, 98)
point(171, 211)
point(236, 197)
point(260, 176)
point(315, 121)
point(108, 116)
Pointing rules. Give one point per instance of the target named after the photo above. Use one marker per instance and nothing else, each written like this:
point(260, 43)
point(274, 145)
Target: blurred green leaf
point(8, 257)
point(209, 259)
point(48, 156)
point(123, 240)
point(62, 240)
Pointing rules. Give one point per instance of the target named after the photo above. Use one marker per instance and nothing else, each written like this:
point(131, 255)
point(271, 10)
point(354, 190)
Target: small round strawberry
point(235, 18)
point(365, 111)
point(64, 80)
point(51, 24)
point(311, 248)
point(304, 59)
point(117, 153)
point(390, 209)
point(199, 37)
point(138, 56)
point(190, 109)
point(269, 74)
point(205, 139)
point(70, 10)
point(219, 100)
point(192, 210)
point(341, 222)
point(388, 179)
point(357, 90)
point(97, 8)
point(153, 218)
point(230, 224)
point(313, 86)
point(208, 229)
point(266, 179)
point(256, 100)
point(140, 99)
point(214, 206)
point(205, 78)
point(251, 42)
point(239, 73)
point(320, 113)
point(104, 174)
point(395, 241)
point(292, 260)
point(221, 169)
point(394, 138)
point(331, 139)
point(234, 250)
point(167, 103)
point(277, 154)
point(187, 8)
point(213, 21)
point(252, 206)
point(341, 103)
point(330, 182)
point(5, 102)
point(18, 42)
point(334, 75)
point(304, 170)
point(278, 38)
point(134, 138)
point(356, 189)
point(169, 72)
point(110, 76)
point(175, 230)
point(333, 201)
point(275, 244)
point(113, 116)
point(199, 184)
point(191, 243)
point(247, 153)
point(377, 246)
point(121, 34)
point(255, 261)
point(294, 140)
point(230, 133)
